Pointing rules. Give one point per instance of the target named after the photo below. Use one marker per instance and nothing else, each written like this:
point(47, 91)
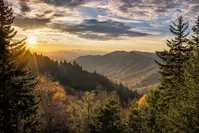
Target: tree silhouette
point(17, 102)
point(172, 60)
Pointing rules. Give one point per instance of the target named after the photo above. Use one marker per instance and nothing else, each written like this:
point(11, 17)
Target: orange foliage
point(47, 86)
point(142, 100)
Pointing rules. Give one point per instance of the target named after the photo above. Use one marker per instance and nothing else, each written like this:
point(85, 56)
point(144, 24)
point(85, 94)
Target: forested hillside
point(137, 70)
point(74, 78)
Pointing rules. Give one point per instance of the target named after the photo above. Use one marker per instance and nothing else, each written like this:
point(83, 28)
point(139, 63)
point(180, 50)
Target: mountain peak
point(135, 69)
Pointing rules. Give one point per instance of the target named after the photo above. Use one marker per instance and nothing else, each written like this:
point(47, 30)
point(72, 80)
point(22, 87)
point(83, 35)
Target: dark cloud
point(159, 6)
point(129, 4)
point(94, 29)
point(45, 14)
point(24, 7)
point(94, 36)
point(68, 3)
point(31, 23)
point(194, 1)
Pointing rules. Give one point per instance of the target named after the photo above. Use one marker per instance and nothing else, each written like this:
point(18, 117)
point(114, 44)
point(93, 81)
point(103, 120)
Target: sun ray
point(31, 40)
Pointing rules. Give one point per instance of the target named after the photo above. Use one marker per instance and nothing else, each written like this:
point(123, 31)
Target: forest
point(40, 95)
point(74, 79)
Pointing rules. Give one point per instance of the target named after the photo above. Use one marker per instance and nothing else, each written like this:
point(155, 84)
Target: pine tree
point(134, 120)
point(184, 116)
point(172, 60)
point(191, 90)
point(17, 102)
point(109, 119)
point(148, 112)
point(190, 104)
point(172, 68)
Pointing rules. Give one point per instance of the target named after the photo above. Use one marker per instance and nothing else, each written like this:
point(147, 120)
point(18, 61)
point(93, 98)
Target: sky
point(99, 25)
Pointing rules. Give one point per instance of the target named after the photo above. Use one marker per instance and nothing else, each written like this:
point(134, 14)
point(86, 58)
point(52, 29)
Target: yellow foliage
point(142, 100)
point(47, 86)
point(59, 96)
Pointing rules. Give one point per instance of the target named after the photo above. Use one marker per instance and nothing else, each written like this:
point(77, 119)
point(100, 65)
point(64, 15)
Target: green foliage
point(109, 116)
point(93, 114)
point(149, 111)
point(75, 79)
point(177, 103)
point(133, 120)
point(141, 116)
point(171, 66)
point(17, 100)
point(190, 94)
point(81, 113)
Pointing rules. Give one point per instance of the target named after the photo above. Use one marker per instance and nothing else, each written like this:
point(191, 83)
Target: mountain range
point(137, 70)
point(69, 55)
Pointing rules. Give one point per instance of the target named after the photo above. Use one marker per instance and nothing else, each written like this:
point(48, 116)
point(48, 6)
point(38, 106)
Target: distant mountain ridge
point(69, 55)
point(135, 69)
point(61, 55)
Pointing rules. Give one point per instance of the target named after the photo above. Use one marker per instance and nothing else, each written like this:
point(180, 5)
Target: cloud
point(156, 5)
point(117, 19)
point(31, 23)
point(68, 3)
point(100, 30)
point(146, 9)
point(24, 7)
point(102, 19)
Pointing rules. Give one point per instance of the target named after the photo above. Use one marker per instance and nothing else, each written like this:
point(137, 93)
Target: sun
point(31, 40)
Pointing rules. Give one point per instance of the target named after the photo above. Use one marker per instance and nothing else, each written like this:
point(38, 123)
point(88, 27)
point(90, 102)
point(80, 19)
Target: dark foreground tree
point(172, 60)
point(190, 102)
point(183, 115)
point(17, 101)
point(172, 69)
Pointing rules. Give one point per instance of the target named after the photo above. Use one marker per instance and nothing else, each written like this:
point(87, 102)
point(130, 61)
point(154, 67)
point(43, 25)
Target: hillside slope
point(135, 69)
point(74, 78)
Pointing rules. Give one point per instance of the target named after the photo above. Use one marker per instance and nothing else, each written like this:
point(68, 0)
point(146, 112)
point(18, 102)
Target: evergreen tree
point(172, 68)
point(17, 102)
point(190, 102)
point(172, 60)
point(109, 119)
point(148, 113)
point(134, 120)
point(184, 115)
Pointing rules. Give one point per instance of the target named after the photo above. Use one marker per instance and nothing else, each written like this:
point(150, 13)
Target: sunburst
point(31, 40)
